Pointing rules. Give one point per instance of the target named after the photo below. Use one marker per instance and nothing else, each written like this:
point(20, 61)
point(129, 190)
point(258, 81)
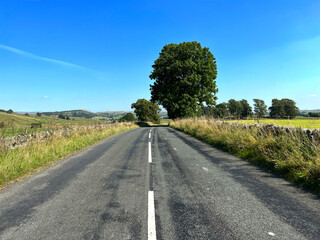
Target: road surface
point(156, 183)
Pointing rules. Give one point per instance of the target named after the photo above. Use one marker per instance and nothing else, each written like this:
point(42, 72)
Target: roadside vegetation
point(20, 161)
point(293, 155)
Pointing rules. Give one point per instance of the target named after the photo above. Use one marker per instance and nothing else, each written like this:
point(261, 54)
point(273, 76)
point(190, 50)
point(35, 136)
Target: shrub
point(36, 125)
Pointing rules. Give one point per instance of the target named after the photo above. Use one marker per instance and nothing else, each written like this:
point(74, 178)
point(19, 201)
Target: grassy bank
point(293, 156)
point(17, 162)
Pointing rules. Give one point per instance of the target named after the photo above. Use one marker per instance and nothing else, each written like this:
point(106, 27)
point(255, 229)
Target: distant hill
point(72, 113)
point(88, 114)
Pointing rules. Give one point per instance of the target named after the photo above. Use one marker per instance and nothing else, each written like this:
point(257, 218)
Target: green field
point(15, 124)
point(311, 123)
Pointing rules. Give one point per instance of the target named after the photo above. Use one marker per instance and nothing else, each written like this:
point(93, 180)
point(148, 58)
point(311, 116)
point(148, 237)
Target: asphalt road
point(180, 188)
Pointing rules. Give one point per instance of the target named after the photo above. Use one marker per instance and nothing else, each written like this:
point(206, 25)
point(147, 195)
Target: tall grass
point(22, 160)
point(293, 156)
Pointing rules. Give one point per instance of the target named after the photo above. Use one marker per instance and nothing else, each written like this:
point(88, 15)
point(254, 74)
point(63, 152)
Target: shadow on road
point(146, 124)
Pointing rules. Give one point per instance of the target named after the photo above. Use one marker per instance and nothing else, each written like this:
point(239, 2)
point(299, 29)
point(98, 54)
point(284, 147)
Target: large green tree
point(184, 77)
point(146, 111)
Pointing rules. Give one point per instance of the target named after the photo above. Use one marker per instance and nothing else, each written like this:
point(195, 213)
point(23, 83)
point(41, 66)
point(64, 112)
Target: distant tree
point(27, 114)
point(260, 108)
point(2, 110)
point(184, 77)
point(246, 108)
point(61, 116)
point(208, 111)
point(277, 109)
point(313, 114)
point(290, 108)
point(38, 114)
point(9, 111)
point(146, 111)
point(129, 117)
point(284, 108)
point(235, 108)
point(67, 118)
point(221, 110)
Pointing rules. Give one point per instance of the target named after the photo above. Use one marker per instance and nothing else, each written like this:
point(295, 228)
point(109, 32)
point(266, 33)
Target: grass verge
point(293, 156)
point(20, 161)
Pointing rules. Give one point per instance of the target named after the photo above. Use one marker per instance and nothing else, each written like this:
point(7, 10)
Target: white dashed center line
point(149, 153)
point(271, 234)
point(152, 235)
point(151, 217)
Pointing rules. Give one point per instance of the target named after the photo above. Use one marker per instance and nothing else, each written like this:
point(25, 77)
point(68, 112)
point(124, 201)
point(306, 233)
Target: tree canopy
point(260, 108)
point(129, 117)
point(284, 108)
point(246, 108)
point(235, 108)
point(184, 77)
point(146, 111)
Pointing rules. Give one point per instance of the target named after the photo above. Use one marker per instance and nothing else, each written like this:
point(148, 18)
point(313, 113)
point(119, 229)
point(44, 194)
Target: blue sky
point(97, 55)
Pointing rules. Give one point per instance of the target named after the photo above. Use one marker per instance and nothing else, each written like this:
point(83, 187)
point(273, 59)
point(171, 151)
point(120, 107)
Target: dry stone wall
point(23, 139)
point(312, 134)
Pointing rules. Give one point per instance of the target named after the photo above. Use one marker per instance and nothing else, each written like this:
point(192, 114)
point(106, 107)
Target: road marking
point(152, 235)
point(151, 217)
point(271, 234)
point(149, 153)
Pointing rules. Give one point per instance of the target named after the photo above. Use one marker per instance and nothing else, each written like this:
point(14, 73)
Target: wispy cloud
point(313, 95)
point(51, 60)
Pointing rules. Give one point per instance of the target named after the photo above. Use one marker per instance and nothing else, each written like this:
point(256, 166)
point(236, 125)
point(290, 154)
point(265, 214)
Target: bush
point(2, 124)
point(61, 116)
point(36, 125)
